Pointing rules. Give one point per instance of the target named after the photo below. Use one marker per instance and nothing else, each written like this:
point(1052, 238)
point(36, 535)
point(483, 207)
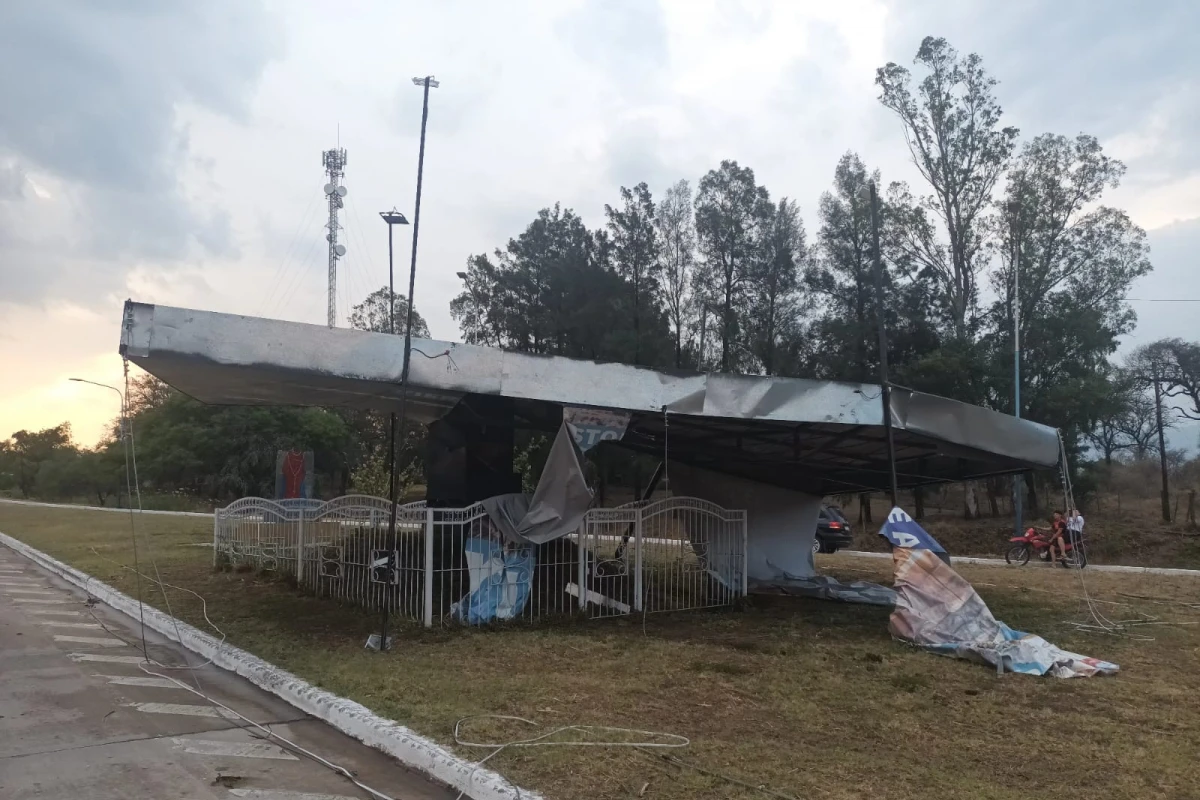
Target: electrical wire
point(1099, 622)
point(705, 771)
point(131, 481)
point(203, 610)
point(280, 271)
point(282, 300)
point(540, 741)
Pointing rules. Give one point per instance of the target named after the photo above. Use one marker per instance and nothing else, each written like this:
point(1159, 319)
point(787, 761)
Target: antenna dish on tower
point(341, 190)
point(330, 188)
point(340, 249)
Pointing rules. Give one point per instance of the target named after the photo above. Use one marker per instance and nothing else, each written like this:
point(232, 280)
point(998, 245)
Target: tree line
point(1001, 235)
point(721, 276)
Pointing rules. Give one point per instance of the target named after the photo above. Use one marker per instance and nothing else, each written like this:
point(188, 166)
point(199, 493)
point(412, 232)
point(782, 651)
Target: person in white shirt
point(1075, 526)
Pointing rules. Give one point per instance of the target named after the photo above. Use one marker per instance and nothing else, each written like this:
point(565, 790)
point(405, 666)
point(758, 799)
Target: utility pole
point(335, 166)
point(1019, 478)
point(1162, 451)
point(395, 218)
point(884, 385)
point(427, 82)
point(392, 218)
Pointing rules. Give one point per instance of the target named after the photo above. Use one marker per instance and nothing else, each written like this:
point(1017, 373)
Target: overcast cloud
point(170, 151)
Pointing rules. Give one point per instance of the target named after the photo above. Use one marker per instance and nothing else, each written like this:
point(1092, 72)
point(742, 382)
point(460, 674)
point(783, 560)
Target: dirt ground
point(801, 698)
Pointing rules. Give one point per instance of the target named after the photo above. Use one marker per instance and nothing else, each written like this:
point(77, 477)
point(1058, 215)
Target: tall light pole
point(392, 218)
point(1019, 478)
point(427, 83)
point(113, 388)
point(884, 384)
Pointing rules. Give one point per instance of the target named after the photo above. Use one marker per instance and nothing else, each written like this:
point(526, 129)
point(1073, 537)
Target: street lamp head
point(393, 217)
point(462, 276)
point(421, 82)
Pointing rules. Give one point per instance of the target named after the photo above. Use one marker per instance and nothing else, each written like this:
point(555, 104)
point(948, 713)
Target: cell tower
point(335, 165)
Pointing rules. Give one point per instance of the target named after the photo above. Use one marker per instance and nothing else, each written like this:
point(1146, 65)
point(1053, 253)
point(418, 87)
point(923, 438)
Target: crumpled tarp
point(500, 581)
point(558, 504)
point(938, 610)
point(824, 587)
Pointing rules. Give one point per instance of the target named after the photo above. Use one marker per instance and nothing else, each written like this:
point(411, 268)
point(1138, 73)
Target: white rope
point(131, 477)
point(674, 740)
point(1099, 621)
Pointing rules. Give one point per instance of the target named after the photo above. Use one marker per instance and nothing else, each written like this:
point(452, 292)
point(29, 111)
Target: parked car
point(833, 531)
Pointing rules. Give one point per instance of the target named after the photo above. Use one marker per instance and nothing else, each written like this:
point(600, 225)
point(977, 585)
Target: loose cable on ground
point(132, 484)
point(659, 743)
point(674, 740)
point(1100, 623)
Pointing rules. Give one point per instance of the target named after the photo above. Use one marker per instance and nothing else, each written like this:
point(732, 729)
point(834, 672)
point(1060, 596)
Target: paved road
point(80, 719)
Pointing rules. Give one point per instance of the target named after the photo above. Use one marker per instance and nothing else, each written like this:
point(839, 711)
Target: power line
point(1163, 299)
point(281, 270)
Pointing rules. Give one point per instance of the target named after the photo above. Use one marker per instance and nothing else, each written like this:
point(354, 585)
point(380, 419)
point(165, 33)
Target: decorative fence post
point(637, 561)
point(581, 580)
point(216, 534)
point(745, 557)
point(300, 547)
point(428, 568)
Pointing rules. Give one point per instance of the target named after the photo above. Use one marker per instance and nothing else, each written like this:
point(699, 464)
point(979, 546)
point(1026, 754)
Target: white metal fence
point(446, 565)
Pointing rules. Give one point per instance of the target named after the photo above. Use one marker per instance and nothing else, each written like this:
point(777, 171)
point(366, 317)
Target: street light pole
point(392, 218)
point(1019, 478)
point(427, 83)
point(885, 385)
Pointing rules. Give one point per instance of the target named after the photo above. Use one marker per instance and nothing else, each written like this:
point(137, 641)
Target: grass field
point(807, 698)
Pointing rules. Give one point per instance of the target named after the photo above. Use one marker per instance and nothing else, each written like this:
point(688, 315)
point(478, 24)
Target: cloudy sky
point(170, 151)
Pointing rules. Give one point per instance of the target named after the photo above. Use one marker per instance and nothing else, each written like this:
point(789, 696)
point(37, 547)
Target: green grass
point(809, 698)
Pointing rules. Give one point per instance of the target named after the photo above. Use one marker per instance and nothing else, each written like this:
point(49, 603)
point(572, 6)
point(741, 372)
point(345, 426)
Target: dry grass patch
point(808, 698)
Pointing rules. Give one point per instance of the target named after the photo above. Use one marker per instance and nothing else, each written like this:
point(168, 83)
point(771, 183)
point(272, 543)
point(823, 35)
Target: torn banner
point(938, 610)
point(591, 426)
point(501, 577)
point(558, 504)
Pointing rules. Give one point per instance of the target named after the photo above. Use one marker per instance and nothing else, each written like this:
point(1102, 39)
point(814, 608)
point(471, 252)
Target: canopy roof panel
point(820, 436)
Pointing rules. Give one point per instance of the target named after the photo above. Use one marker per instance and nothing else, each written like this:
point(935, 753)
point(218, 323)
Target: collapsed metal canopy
point(822, 437)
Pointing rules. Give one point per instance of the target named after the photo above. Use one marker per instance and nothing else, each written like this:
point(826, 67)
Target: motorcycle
point(1035, 542)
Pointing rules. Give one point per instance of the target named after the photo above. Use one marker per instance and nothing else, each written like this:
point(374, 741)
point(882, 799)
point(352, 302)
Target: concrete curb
point(349, 717)
point(103, 508)
point(999, 562)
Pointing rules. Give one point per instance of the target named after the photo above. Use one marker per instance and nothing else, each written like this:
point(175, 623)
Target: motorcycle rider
point(1058, 529)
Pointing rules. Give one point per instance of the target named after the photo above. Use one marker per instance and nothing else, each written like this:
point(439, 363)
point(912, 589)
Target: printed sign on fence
point(589, 426)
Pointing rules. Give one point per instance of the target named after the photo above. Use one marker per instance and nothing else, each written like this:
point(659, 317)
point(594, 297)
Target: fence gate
point(452, 565)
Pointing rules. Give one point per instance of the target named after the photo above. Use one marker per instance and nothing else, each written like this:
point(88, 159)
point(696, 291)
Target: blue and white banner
point(591, 426)
point(501, 578)
point(903, 531)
